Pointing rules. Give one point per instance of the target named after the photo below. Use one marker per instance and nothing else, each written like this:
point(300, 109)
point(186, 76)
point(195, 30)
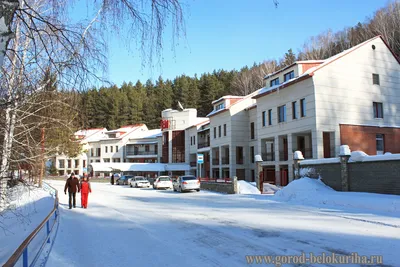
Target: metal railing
point(22, 250)
point(269, 156)
point(216, 180)
point(140, 153)
point(203, 144)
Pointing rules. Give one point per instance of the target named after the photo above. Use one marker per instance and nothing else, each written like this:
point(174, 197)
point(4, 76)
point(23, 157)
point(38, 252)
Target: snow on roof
point(148, 134)
point(293, 64)
point(216, 112)
point(242, 99)
point(126, 166)
point(226, 97)
point(320, 161)
point(251, 106)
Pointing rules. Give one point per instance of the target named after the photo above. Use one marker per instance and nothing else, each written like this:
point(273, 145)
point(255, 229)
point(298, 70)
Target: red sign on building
point(164, 124)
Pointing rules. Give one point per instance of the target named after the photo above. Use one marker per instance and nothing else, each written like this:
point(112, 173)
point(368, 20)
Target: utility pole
point(42, 160)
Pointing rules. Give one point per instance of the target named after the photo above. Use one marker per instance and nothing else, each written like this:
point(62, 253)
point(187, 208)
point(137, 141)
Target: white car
point(139, 181)
point(163, 182)
point(186, 183)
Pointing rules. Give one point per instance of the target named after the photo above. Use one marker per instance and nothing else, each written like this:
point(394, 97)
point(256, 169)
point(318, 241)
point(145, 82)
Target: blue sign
point(200, 158)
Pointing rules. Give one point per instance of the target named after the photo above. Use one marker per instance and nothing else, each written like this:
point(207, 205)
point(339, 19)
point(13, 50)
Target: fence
point(225, 185)
point(22, 250)
point(375, 175)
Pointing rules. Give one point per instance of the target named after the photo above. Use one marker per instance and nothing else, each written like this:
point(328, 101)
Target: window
point(191, 140)
point(77, 163)
point(294, 111)
point(274, 82)
point(270, 117)
point(194, 140)
point(111, 149)
point(224, 129)
point(106, 149)
point(239, 155)
point(61, 163)
point(98, 152)
point(106, 160)
point(252, 154)
point(282, 113)
point(69, 163)
point(116, 148)
point(380, 145)
point(92, 152)
point(219, 131)
point(378, 110)
point(375, 78)
point(288, 76)
point(303, 107)
point(215, 132)
point(220, 106)
point(252, 130)
point(147, 148)
point(84, 163)
point(253, 175)
point(263, 118)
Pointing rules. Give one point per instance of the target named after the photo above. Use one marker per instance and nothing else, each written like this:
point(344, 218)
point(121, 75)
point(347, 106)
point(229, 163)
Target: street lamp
point(259, 179)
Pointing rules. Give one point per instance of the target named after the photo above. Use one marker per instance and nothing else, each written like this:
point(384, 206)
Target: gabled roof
point(200, 122)
point(226, 97)
point(310, 72)
point(293, 64)
point(215, 112)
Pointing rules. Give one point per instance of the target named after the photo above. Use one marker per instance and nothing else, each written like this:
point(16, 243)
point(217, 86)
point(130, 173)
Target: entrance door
point(269, 176)
point(284, 177)
point(285, 149)
point(327, 144)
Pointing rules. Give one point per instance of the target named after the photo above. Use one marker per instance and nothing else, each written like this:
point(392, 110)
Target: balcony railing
point(283, 155)
point(225, 160)
point(215, 161)
point(140, 153)
point(239, 161)
point(307, 153)
point(270, 156)
point(203, 144)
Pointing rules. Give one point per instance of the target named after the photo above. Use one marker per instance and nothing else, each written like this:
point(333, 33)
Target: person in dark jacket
point(72, 184)
point(112, 179)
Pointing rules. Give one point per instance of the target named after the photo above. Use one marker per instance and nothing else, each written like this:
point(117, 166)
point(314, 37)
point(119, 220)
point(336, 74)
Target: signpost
point(200, 160)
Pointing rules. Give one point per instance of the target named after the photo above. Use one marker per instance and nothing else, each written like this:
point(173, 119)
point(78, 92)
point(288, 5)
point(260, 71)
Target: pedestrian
point(72, 184)
point(112, 179)
point(85, 190)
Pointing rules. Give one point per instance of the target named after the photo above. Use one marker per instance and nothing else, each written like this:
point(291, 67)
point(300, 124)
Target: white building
point(78, 165)
point(352, 98)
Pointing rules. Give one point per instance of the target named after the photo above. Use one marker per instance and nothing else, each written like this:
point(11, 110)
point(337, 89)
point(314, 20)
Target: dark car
point(123, 180)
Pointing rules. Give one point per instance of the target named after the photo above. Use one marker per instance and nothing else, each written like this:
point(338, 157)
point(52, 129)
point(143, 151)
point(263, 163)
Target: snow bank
point(28, 207)
point(247, 188)
point(315, 192)
point(267, 188)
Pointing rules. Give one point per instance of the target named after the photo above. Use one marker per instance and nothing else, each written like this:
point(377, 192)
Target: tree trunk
point(7, 10)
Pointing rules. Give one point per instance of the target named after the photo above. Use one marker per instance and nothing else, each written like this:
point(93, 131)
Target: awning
point(126, 166)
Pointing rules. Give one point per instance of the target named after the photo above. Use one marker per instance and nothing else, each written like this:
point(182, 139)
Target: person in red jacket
point(85, 190)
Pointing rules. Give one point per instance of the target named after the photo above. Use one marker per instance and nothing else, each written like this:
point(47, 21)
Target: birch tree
point(45, 40)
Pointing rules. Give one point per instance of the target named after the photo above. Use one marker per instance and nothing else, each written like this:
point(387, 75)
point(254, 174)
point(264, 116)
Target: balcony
point(140, 153)
point(283, 155)
point(225, 160)
point(215, 161)
point(307, 153)
point(203, 144)
point(270, 156)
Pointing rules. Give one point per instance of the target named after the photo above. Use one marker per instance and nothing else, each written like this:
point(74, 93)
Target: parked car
point(123, 180)
point(139, 181)
point(186, 183)
point(163, 182)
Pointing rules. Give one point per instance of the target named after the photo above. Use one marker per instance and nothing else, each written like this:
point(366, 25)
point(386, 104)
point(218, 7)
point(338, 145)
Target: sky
point(230, 34)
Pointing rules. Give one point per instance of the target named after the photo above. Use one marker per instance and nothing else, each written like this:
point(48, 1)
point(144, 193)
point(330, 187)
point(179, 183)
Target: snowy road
point(142, 227)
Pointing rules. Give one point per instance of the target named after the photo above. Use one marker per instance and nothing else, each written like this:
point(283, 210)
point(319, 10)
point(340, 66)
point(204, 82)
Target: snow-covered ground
point(29, 206)
point(125, 226)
